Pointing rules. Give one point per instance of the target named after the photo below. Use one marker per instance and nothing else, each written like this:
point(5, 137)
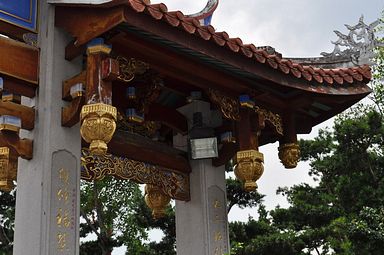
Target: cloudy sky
point(295, 28)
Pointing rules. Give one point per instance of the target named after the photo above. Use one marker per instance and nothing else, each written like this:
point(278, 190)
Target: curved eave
point(278, 79)
point(186, 35)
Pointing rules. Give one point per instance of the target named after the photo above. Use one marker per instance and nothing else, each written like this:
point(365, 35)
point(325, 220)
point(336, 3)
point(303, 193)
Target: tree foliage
point(344, 213)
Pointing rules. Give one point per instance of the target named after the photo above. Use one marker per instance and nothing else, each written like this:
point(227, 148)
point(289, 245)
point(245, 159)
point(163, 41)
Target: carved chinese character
point(217, 204)
point(61, 241)
point(63, 194)
point(62, 218)
point(218, 251)
point(218, 236)
point(64, 176)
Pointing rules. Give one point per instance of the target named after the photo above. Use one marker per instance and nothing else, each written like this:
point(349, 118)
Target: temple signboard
point(21, 13)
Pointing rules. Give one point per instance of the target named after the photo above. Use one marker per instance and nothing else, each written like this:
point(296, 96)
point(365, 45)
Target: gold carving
point(99, 48)
point(173, 183)
point(273, 118)
point(61, 241)
point(249, 168)
point(62, 218)
point(128, 68)
point(98, 126)
point(289, 154)
point(157, 200)
point(229, 106)
point(8, 169)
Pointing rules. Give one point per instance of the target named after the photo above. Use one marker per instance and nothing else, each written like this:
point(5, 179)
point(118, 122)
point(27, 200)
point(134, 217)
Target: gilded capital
point(98, 124)
point(157, 200)
point(8, 169)
point(289, 154)
point(249, 168)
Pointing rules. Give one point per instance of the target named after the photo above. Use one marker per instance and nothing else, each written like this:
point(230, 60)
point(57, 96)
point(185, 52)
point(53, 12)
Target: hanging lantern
point(8, 169)
point(289, 154)
point(249, 168)
point(98, 126)
point(157, 200)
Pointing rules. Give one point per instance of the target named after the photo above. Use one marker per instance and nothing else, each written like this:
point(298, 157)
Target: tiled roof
point(192, 26)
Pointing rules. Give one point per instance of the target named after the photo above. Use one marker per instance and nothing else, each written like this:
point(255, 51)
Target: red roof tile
point(192, 26)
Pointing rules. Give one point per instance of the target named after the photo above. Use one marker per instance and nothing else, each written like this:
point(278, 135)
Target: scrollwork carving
point(130, 67)
point(228, 106)
point(273, 118)
point(173, 183)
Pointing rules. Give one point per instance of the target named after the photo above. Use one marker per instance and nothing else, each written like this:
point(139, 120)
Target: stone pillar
point(47, 202)
point(201, 224)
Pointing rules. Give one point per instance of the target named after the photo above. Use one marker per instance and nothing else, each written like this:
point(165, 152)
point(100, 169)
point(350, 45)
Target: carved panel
point(173, 183)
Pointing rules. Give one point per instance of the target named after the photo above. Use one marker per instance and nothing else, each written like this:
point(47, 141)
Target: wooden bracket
point(70, 115)
point(25, 113)
point(21, 147)
point(67, 84)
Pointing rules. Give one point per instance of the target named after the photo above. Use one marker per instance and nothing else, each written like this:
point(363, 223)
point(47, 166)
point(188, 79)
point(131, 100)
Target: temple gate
point(129, 89)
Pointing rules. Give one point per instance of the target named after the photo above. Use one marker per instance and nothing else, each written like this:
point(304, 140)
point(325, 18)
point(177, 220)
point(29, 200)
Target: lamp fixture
point(203, 142)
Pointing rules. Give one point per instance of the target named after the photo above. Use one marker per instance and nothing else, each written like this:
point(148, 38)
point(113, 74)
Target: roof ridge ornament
point(205, 15)
point(358, 45)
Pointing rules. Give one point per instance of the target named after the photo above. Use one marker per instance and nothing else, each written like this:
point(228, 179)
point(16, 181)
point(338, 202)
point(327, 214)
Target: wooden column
point(98, 116)
point(249, 161)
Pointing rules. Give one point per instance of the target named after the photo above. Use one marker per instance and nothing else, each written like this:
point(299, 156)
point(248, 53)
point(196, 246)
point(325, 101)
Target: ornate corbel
point(289, 150)
point(8, 169)
point(98, 126)
point(157, 200)
point(249, 168)
point(289, 154)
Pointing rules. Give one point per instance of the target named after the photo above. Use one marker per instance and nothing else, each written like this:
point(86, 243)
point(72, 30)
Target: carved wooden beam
point(87, 23)
point(173, 183)
point(143, 149)
point(169, 117)
point(19, 61)
point(26, 114)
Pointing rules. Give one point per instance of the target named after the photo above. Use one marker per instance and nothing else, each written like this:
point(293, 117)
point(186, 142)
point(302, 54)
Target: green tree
point(7, 217)
point(108, 208)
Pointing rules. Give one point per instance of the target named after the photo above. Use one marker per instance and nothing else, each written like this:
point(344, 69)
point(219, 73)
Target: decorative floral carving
point(98, 126)
point(130, 67)
point(96, 167)
point(229, 106)
point(289, 154)
point(249, 168)
point(273, 118)
point(157, 200)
